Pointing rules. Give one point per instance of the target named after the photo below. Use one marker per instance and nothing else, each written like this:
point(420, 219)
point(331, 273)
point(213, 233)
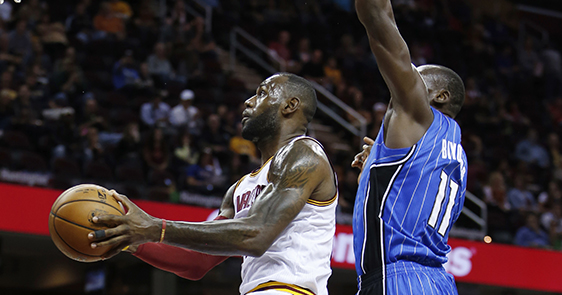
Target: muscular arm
point(408, 90)
point(295, 174)
point(185, 263)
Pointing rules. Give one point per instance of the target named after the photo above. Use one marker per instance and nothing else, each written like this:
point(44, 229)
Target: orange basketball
point(70, 220)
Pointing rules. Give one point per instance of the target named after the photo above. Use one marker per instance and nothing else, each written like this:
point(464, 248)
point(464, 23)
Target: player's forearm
point(228, 237)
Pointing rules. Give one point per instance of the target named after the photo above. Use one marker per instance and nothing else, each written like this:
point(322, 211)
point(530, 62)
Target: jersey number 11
point(437, 206)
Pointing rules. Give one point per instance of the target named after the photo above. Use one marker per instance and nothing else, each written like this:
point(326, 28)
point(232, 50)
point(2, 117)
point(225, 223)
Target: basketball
point(70, 220)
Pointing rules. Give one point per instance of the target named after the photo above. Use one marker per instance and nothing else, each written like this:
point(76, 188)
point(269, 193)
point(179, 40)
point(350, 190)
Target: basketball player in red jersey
point(280, 218)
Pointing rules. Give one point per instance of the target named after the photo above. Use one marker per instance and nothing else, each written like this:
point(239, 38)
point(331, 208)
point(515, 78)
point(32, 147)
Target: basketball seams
point(72, 190)
point(86, 200)
point(61, 238)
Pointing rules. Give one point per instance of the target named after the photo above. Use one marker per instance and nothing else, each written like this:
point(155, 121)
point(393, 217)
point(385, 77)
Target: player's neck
point(268, 147)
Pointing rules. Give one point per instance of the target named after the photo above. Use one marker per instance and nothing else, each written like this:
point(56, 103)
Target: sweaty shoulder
point(303, 164)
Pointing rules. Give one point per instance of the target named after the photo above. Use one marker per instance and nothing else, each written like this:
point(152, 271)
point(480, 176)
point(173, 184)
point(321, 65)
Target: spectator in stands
point(303, 54)
point(39, 91)
point(379, 110)
point(519, 197)
point(178, 14)
point(20, 40)
point(121, 9)
point(552, 217)
point(495, 192)
point(552, 221)
point(145, 80)
point(7, 83)
point(531, 235)
point(156, 112)
point(530, 151)
point(69, 79)
point(314, 69)
point(128, 148)
point(93, 150)
point(158, 63)
point(555, 111)
point(125, 75)
point(280, 47)
point(7, 57)
point(549, 197)
point(145, 20)
point(242, 146)
point(347, 190)
point(58, 106)
point(52, 34)
point(7, 110)
point(332, 72)
point(79, 25)
point(553, 146)
point(186, 153)
point(552, 71)
point(32, 11)
point(38, 57)
point(529, 60)
point(214, 136)
point(6, 12)
point(184, 115)
point(92, 117)
point(69, 57)
point(156, 153)
point(206, 176)
point(107, 22)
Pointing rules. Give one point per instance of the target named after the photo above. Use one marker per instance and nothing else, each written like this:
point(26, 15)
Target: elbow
point(257, 242)
point(257, 249)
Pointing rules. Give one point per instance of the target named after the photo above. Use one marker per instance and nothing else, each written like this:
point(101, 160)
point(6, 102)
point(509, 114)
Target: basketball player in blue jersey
point(413, 181)
point(280, 218)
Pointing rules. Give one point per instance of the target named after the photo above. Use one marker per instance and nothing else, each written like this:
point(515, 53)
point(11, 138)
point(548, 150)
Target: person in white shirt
point(185, 114)
point(156, 112)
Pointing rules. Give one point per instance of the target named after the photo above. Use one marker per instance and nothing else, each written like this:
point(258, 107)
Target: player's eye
point(262, 92)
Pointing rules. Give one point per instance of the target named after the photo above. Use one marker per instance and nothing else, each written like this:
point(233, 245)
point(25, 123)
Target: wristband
point(163, 233)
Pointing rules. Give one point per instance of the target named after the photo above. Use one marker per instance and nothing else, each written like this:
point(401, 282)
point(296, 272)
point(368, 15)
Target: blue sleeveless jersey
point(409, 198)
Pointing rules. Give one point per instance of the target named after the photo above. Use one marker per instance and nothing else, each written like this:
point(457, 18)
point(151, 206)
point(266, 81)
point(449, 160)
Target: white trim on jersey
point(381, 231)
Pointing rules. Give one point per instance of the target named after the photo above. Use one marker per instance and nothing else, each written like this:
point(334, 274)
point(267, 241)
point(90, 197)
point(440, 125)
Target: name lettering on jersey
point(247, 199)
point(454, 152)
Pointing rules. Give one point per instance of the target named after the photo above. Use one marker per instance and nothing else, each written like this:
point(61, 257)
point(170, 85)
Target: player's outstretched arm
point(295, 174)
point(408, 90)
point(183, 262)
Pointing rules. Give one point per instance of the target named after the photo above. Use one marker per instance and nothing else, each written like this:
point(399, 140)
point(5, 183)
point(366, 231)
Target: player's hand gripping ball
point(70, 220)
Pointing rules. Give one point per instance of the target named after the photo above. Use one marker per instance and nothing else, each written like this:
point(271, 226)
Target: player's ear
point(291, 106)
point(442, 96)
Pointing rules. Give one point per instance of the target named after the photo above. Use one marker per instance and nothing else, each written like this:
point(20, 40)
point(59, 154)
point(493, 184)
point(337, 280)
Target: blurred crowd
point(125, 91)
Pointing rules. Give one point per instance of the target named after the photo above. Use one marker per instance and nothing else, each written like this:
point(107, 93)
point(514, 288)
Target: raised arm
point(295, 174)
point(408, 90)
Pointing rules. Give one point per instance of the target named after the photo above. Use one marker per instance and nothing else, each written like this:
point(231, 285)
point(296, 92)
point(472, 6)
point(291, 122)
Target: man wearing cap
point(184, 114)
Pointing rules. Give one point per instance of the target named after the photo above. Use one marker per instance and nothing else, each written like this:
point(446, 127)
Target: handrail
point(235, 45)
point(538, 10)
point(362, 121)
point(481, 220)
point(208, 15)
point(523, 32)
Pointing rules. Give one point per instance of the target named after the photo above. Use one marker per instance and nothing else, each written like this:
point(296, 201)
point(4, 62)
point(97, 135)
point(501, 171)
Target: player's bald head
point(442, 78)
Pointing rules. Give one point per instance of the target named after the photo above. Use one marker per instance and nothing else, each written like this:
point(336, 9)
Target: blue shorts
point(406, 277)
